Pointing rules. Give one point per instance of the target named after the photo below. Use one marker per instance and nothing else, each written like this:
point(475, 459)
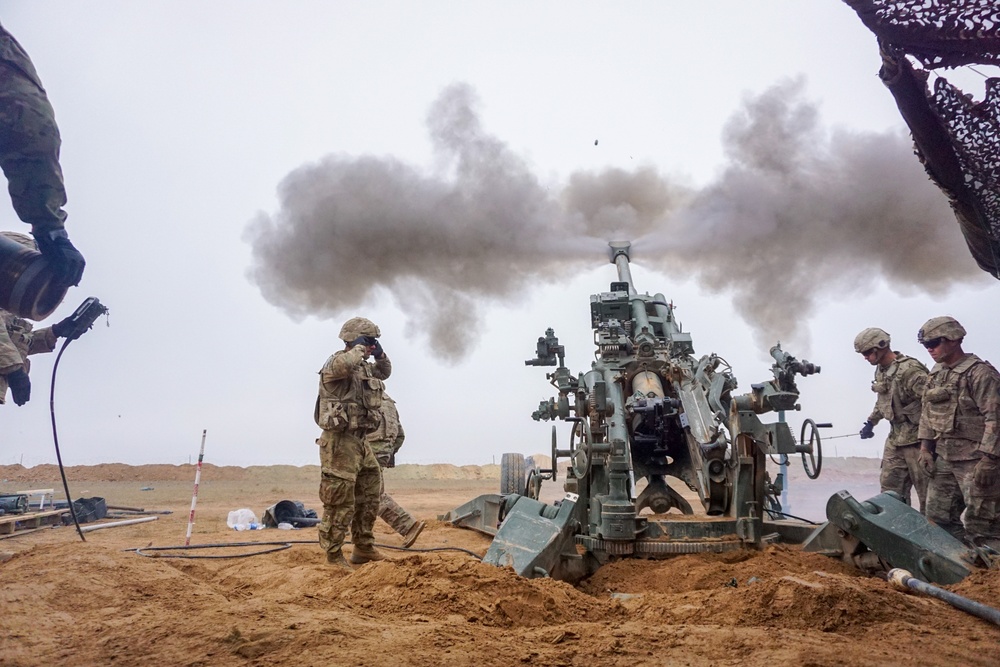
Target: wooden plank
point(12, 522)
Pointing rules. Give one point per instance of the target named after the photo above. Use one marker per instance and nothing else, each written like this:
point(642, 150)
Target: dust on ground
point(98, 602)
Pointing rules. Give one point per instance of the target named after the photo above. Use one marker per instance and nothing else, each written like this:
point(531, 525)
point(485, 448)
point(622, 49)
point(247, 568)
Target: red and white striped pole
point(194, 498)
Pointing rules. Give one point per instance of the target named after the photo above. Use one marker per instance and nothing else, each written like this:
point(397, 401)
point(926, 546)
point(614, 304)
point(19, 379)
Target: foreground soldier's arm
point(383, 367)
point(30, 142)
point(342, 364)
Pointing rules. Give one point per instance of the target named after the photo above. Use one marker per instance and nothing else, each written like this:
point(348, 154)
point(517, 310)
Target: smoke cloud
point(797, 215)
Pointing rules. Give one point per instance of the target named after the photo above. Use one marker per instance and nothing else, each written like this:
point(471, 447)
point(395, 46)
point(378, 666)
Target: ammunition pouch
point(371, 394)
point(338, 416)
point(880, 387)
point(937, 395)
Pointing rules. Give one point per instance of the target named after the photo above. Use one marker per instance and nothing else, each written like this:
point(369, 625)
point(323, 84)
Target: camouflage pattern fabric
point(18, 339)
point(351, 481)
point(350, 392)
point(29, 140)
point(961, 409)
point(393, 514)
point(349, 489)
point(901, 473)
point(385, 441)
point(898, 389)
point(952, 490)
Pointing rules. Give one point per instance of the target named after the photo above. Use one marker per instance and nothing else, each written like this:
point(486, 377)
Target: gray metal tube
point(115, 524)
point(624, 272)
point(902, 579)
point(620, 258)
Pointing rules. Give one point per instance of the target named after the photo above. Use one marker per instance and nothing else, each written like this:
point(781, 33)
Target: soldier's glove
point(20, 386)
point(63, 327)
point(987, 471)
point(868, 430)
point(378, 353)
point(360, 340)
point(66, 261)
point(925, 459)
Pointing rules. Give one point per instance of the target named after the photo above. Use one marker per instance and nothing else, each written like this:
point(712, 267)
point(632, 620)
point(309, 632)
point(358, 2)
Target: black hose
point(281, 546)
point(55, 438)
point(790, 516)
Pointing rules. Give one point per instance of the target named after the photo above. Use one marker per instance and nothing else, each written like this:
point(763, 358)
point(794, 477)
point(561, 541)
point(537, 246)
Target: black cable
point(55, 438)
point(281, 546)
point(790, 516)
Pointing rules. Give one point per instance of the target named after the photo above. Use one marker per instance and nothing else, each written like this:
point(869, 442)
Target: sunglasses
point(932, 343)
point(869, 352)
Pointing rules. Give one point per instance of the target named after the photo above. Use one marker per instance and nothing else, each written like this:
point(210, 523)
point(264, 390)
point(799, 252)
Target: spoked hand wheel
point(811, 447)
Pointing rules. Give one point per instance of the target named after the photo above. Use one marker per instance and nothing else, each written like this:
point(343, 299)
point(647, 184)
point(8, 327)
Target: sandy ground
point(68, 602)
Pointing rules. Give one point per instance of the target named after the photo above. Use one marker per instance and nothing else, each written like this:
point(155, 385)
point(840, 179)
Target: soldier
point(385, 441)
point(898, 385)
point(18, 339)
point(347, 409)
point(958, 436)
point(29, 157)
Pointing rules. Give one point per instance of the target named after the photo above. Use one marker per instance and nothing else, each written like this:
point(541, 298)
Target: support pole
point(194, 498)
point(903, 580)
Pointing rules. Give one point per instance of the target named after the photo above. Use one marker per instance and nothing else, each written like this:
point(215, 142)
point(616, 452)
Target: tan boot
point(365, 554)
point(413, 533)
point(336, 558)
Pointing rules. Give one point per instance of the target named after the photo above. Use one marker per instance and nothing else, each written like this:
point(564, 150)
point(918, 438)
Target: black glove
point(867, 431)
point(360, 340)
point(66, 261)
point(63, 327)
point(20, 386)
point(378, 352)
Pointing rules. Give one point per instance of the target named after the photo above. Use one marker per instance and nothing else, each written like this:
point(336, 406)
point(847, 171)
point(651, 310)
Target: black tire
point(512, 474)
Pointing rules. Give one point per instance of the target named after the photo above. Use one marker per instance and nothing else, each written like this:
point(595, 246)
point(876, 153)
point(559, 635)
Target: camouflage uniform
point(898, 388)
point(961, 411)
point(29, 141)
point(18, 339)
point(347, 408)
point(385, 441)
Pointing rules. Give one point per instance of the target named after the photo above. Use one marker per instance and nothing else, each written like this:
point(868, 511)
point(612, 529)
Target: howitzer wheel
point(512, 474)
point(814, 450)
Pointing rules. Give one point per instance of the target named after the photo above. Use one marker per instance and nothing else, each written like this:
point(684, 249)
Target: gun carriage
point(646, 411)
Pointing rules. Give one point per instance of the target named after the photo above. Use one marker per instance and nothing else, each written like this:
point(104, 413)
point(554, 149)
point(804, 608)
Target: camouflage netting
point(957, 138)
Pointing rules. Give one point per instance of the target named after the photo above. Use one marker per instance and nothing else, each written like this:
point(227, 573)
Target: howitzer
point(647, 410)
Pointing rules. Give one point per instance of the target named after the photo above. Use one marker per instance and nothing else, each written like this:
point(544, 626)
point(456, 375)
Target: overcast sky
point(212, 153)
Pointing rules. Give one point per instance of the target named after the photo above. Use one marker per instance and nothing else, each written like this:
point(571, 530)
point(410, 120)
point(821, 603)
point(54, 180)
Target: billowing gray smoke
point(795, 216)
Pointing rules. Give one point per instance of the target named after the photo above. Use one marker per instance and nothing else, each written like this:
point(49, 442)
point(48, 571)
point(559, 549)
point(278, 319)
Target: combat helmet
point(358, 326)
point(941, 327)
point(871, 338)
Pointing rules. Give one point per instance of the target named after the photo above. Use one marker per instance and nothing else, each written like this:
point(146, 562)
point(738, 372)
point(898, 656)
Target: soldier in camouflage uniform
point(958, 436)
point(347, 409)
point(18, 339)
point(29, 157)
point(899, 383)
point(385, 441)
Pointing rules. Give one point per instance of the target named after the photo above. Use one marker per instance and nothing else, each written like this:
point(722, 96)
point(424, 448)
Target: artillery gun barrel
point(620, 258)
